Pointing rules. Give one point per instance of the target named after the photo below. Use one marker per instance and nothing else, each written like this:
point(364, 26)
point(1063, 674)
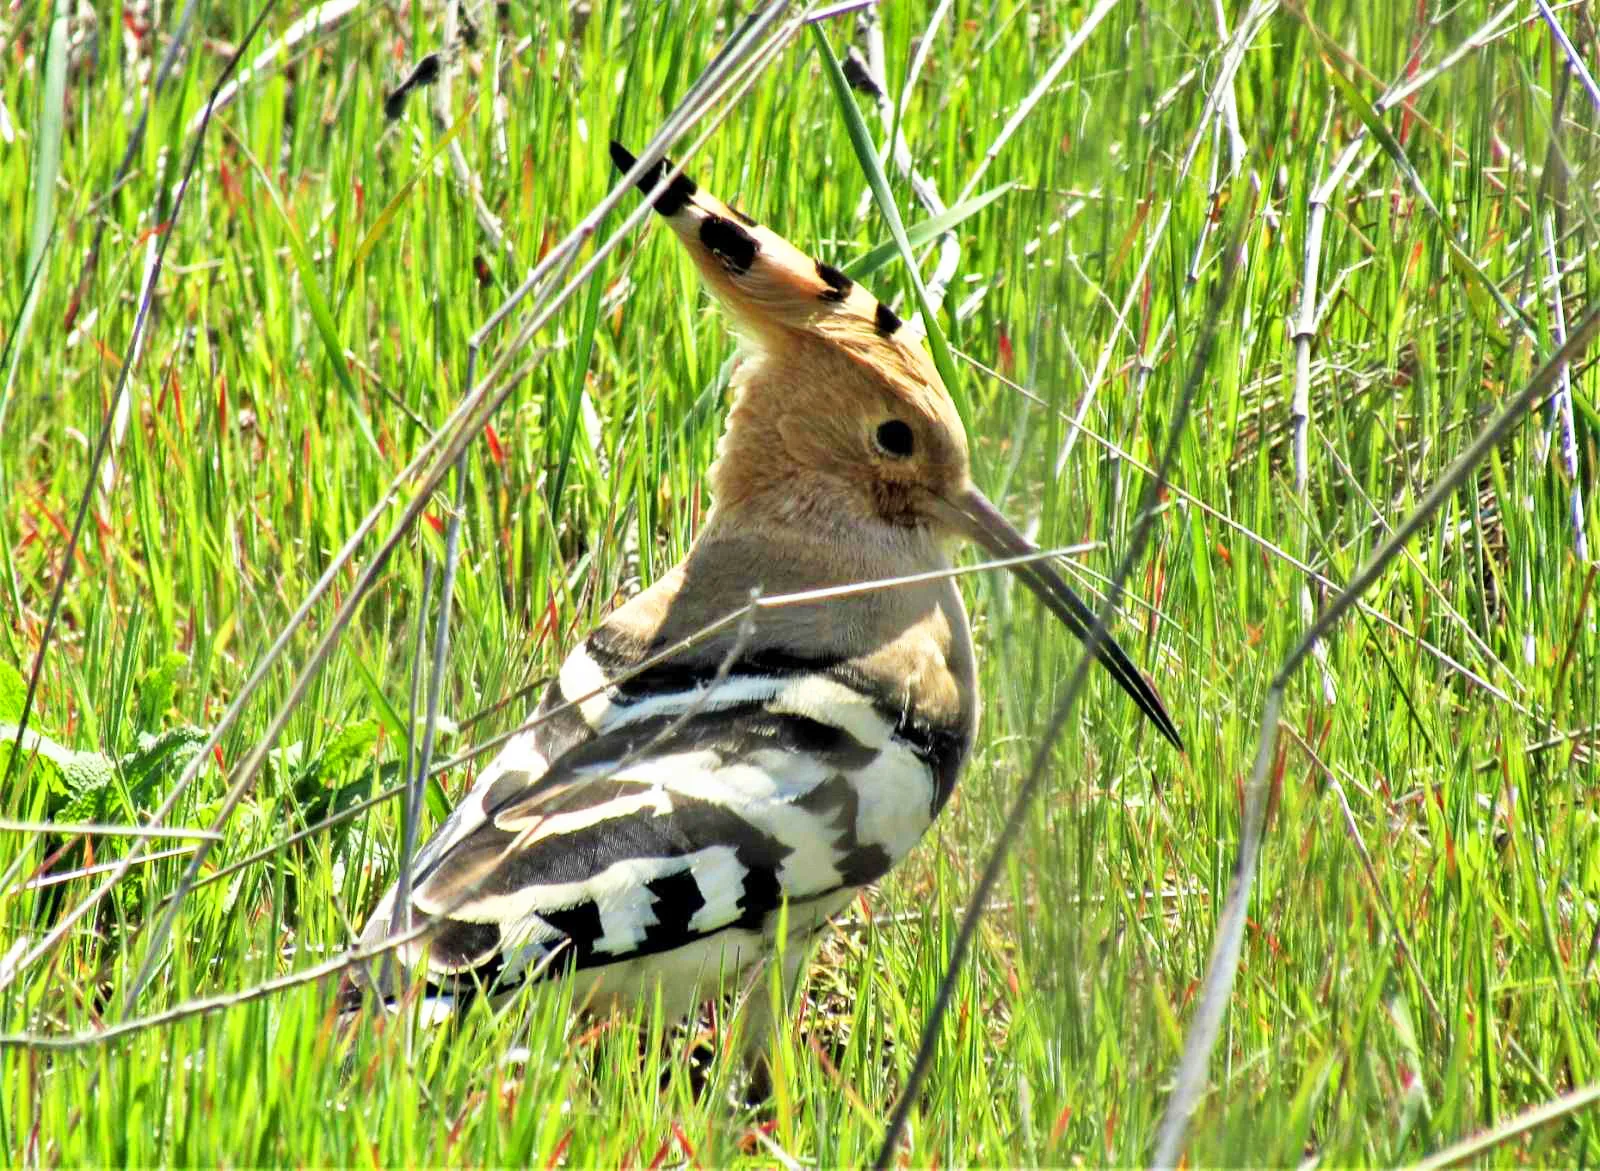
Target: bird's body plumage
point(675, 811)
point(663, 816)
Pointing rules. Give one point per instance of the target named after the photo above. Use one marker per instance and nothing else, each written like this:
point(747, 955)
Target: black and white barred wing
point(686, 813)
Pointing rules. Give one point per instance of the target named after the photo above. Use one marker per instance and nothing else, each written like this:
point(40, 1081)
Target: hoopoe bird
point(650, 829)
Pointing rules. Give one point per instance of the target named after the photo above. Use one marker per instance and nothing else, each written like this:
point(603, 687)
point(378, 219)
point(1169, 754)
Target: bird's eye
point(894, 438)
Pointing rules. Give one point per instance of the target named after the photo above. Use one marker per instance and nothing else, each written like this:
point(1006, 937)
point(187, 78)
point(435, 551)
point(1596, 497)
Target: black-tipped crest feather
point(671, 201)
point(839, 285)
point(729, 243)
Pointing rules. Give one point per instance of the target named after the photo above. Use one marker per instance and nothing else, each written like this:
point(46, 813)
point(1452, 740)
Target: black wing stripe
point(453, 857)
point(942, 746)
point(469, 952)
point(677, 898)
point(581, 926)
point(514, 809)
point(561, 726)
point(859, 862)
point(733, 733)
point(596, 869)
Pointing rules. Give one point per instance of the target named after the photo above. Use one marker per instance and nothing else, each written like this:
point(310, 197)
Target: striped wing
point(677, 806)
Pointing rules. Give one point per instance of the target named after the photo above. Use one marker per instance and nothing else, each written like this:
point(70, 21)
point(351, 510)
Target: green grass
point(310, 328)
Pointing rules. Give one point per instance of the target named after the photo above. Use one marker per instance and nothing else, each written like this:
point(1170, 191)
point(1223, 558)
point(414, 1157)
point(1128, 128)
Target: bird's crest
point(778, 295)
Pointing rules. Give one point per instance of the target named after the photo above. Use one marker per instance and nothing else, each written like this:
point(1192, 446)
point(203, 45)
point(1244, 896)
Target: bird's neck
point(729, 560)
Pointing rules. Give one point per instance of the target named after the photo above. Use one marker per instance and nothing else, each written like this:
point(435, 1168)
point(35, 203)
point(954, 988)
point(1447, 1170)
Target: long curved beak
point(972, 515)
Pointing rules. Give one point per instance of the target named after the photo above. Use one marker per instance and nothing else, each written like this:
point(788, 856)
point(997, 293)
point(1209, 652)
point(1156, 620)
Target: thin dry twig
point(1574, 58)
point(100, 829)
point(1563, 401)
point(443, 116)
point(899, 151)
point(411, 805)
point(321, 21)
point(1233, 56)
point(1047, 79)
point(56, 878)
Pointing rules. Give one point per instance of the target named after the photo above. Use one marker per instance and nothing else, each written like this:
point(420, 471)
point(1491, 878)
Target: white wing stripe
point(830, 702)
point(555, 823)
point(621, 893)
point(808, 694)
point(761, 791)
point(580, 675)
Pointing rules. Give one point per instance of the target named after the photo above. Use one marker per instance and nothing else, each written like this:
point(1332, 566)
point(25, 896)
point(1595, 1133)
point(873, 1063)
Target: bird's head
point(841, 425)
